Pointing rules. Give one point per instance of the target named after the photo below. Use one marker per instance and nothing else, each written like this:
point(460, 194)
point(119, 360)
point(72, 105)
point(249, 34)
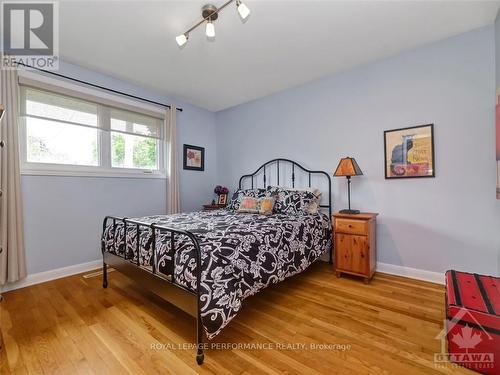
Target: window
point(134, 140)
point(60, 130)
point(65, 134)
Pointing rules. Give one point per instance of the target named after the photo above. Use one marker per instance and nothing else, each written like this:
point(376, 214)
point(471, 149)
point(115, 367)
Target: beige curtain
point(173, 198)
point(12, 259)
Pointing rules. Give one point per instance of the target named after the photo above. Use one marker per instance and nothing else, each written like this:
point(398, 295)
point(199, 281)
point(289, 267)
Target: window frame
point(104, 168)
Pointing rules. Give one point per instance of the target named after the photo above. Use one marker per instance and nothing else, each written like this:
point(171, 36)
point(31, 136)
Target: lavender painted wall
point(451, 221)
point(63, 215)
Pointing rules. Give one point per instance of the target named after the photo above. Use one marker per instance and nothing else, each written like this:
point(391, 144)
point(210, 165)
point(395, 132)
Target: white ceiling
point(283, 44)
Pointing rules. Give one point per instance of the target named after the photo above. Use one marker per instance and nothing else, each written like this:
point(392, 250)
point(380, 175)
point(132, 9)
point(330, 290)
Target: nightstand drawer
point(351, 226)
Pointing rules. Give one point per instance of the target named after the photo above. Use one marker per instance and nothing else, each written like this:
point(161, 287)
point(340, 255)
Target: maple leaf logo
point(466, 339)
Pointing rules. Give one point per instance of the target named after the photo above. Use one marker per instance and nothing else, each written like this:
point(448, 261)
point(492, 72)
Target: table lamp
point(348, 167)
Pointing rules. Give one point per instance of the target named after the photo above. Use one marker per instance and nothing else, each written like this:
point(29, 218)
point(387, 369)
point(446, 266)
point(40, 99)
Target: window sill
point(87, 173)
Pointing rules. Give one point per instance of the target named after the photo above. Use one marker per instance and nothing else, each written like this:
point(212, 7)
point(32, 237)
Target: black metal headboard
point(275, 164)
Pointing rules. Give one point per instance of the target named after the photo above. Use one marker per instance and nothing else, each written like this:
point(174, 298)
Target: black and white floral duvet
point(241, 254)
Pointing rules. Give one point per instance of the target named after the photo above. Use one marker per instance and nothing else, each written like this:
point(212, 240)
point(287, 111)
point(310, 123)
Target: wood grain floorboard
point(73, 326)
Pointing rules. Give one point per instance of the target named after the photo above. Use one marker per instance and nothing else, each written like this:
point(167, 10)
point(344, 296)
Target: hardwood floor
point(73, 326)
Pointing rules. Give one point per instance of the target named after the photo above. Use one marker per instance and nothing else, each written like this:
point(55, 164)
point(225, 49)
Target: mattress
point(240, 253)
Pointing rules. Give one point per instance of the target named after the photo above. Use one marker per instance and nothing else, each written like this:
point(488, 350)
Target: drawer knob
point(362, 255)
point(350, 226)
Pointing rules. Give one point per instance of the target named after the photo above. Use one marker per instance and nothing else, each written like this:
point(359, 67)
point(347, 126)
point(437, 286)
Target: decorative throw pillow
point(314, 206)
point(263, 206)
point(249, 204)
point(291, 201)
point(266, 205)
point(234, 203)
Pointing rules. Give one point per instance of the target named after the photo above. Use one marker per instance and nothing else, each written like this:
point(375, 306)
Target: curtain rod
point(97, 86)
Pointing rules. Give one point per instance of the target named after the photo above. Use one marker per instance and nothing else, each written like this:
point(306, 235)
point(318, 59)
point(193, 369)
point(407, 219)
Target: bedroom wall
point(433, 224)
point(63, 215)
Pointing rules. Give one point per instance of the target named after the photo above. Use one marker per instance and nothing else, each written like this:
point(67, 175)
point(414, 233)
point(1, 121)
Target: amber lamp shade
point(347, 168)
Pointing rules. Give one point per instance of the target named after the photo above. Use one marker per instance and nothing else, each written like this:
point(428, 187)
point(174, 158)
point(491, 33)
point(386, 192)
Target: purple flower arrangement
point(221, 190)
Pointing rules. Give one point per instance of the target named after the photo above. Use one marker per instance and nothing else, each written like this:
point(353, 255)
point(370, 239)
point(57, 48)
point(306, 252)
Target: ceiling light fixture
point(209, 14)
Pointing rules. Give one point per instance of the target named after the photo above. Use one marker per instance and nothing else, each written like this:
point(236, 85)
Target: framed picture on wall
point(409, 152)
point(194, 158)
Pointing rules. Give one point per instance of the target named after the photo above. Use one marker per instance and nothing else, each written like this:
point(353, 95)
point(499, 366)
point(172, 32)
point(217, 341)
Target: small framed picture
point(194, 158)
point(409, 152)
point(222, 200)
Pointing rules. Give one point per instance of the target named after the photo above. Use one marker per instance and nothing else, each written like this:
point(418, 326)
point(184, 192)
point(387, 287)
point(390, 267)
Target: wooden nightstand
point(355, 244)
point(211, 207)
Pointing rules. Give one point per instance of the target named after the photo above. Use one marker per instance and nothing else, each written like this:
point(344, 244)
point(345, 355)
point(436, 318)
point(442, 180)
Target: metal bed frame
point(164, 285)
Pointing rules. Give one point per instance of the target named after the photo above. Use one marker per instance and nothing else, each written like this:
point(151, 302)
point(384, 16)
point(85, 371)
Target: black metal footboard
point(163, 285)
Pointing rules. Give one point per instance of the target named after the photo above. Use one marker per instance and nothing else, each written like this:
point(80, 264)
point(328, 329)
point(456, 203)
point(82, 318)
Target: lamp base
point(350, 212)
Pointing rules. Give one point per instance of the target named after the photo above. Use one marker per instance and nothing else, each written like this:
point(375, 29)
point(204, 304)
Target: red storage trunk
point(473, 321)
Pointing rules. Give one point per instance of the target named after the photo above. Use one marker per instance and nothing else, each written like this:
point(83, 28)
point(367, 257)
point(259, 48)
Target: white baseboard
point(412, 273)
point(41, 277)
point(58, 273)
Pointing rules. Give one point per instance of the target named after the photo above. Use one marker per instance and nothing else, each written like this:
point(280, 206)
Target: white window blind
point(57, 107)
point(135, 123)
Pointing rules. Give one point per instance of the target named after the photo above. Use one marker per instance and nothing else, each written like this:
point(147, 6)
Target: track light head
point(210, 29)
point(181, 39)
point(210, 13)
point(242, 10)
